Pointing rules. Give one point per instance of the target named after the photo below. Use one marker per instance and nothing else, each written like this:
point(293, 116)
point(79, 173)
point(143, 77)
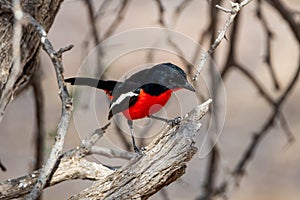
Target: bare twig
point(235, 8)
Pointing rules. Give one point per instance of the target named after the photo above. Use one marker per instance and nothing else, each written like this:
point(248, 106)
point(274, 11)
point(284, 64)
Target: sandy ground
point(274, 171)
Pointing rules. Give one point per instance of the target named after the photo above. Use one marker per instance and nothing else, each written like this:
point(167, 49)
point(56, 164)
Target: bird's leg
point(171, 122)
point(136, 149)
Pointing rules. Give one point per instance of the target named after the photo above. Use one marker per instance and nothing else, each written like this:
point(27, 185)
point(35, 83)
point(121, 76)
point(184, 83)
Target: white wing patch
point(122, 97)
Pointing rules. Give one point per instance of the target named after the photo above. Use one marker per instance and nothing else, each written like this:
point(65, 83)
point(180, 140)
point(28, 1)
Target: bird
point(142, 94)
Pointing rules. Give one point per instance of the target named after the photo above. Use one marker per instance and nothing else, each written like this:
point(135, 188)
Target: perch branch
point(173, 148)
point(163, 162)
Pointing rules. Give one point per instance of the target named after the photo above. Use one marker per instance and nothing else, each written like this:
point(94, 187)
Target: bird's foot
point(139, 151)
point(174, 122)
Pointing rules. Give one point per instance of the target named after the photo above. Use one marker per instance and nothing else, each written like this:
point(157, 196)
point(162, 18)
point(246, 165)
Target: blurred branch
point(211, 175)
point(269, 36)
point(39, 115)
point(287, 15)
point(284, 124)
point(121, 135)
point(118, 20)
point(276, 105)
point(92, 20)
point(101, 10)
point(235, 8)
point(2, 167)
point(161, 11)
point(179, 9)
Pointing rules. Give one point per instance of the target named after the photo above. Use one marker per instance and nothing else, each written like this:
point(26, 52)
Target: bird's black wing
point(124, 101)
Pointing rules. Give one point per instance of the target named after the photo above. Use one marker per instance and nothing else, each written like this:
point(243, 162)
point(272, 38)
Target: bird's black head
point(170, 76)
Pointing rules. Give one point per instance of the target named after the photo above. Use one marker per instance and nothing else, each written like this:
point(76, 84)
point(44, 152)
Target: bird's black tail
point(100, 84)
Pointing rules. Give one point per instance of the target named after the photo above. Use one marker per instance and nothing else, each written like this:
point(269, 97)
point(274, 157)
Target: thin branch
point(287, 15)
point(118, 20)
point(209, 185)
point(284, 123)
point(40, 120)
point(161, 11)
point(235, 8)
point(2, 167)
point(255, 82)
point(92, 20)
point(269, 36)
point(102, 9)
point(179, 10)
point(121, 135)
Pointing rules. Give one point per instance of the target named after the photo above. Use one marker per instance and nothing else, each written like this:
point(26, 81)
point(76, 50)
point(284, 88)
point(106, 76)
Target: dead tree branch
point(164, 161)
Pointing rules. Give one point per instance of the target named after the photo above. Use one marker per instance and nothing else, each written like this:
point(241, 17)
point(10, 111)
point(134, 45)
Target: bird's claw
point(139, 151)
point(174, 122)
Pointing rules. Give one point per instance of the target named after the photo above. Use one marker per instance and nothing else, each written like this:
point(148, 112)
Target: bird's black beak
point(188, 86)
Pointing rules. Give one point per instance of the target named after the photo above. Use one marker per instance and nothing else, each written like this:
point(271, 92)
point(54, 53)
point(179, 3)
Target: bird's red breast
point(147, 105)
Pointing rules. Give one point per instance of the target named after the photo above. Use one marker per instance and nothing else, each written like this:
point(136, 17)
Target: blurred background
point(272, 172)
